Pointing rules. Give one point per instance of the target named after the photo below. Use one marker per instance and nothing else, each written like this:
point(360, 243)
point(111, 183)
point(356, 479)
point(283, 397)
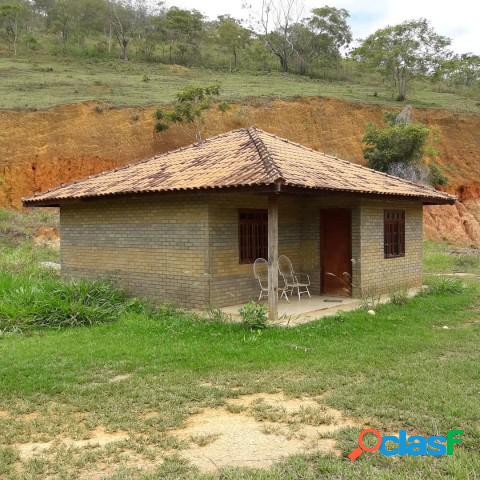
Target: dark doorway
point(336, 251)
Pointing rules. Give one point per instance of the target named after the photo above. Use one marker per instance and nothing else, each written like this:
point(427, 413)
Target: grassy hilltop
point(45, 81)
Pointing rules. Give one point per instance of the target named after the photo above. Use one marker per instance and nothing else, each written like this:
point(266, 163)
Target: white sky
point(457, 19)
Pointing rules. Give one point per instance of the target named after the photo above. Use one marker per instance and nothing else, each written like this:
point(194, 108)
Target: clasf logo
point(390, 445)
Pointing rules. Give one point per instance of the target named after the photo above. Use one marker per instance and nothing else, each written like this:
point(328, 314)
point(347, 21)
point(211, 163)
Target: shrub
point(446, 286)
point(254, 315)
point(399, 296)
point(466, 262)
point(436, 175)
point(28, 301)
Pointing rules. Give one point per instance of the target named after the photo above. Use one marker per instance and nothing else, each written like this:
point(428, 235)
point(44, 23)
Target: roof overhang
point(260, 189)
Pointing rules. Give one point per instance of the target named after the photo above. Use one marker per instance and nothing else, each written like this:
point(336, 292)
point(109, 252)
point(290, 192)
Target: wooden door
point(336, 251)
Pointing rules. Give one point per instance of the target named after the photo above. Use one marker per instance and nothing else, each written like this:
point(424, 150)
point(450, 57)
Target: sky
point(458, 19)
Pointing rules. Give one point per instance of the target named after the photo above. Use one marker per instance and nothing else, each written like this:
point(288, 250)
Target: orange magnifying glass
point(361, 447)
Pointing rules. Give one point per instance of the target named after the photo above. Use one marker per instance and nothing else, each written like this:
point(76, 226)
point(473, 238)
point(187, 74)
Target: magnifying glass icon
point(361, 447)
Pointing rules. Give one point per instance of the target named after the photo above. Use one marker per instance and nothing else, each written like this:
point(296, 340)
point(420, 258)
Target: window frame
point(248, 252)
point(393, 233)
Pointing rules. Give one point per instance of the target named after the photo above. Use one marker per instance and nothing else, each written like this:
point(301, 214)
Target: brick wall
point(183, 249)
point(383, 275)
point(150, 247)
point(299, 238)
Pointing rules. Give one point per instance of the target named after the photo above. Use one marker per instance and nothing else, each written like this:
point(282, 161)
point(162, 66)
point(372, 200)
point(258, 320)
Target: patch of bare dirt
point(73, 141)
point(47, 237)
point(120, 378)
point(99, 437)
point(259, 430)
point(250, 430)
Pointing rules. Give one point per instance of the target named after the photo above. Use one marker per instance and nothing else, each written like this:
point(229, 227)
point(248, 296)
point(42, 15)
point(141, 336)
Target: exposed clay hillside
point(41, 149)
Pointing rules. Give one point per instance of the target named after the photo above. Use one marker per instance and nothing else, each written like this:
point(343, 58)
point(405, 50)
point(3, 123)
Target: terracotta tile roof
point(240, 158)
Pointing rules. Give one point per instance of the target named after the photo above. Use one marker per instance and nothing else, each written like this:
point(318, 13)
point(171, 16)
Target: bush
point(254, 315)
point(446, 286)
point(28, 301)
point(399, 296)
point(466, 262)
point(436, 175)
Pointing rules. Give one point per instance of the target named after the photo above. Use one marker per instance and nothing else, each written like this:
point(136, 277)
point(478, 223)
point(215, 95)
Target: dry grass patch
point(98, 438)
point(260, 429)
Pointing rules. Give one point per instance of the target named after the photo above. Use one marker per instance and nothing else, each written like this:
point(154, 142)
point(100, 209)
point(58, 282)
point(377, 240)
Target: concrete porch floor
point(305, 310)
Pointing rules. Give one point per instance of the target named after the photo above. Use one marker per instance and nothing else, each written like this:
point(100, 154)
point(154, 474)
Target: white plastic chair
point(260, 272)
point(293, 280)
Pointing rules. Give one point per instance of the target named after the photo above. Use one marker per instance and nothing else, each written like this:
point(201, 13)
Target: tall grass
point(34, 297)
point(41, 300)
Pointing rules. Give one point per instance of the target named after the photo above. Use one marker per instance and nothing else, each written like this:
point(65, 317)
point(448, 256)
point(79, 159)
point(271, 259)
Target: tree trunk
point(400, 79)
point(110, 38)
point(235, 57)
point(125, 50)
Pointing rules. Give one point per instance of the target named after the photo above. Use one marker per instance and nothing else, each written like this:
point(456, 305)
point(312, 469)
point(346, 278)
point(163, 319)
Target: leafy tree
point(461, 69)
point(232, 36)
point(183, 30)
point(330, 26)
point(189, 107)
point(12, 16)
point(399, 148)
point(403, 52)
point(321, 36)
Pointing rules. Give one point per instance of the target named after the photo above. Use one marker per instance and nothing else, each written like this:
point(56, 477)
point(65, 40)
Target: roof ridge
point(134, 164)
point(271, 168)
point(363, 167)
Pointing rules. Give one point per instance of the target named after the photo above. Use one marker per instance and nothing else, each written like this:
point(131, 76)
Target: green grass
point(46, 81)
point(444, 258)
point(399, 369)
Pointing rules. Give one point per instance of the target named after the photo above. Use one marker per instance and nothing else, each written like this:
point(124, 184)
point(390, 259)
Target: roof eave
point(277, 187)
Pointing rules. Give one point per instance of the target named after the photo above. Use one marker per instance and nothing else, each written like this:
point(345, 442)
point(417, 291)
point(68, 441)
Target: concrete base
point(295, 312)
point(305, 310)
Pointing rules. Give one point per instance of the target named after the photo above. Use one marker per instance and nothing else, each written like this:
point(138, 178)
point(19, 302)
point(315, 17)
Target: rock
point(371, 312)
point(50, 265)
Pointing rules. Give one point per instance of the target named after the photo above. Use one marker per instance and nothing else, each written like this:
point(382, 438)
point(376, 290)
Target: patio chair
point(260, 272)
point(293, 280)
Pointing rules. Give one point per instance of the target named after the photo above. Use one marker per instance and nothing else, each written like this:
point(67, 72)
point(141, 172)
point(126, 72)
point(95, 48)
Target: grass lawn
point(40, 82)
point(398, 369)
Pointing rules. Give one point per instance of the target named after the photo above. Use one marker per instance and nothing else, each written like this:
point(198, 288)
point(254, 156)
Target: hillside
point(46, 81)
point(40, 149)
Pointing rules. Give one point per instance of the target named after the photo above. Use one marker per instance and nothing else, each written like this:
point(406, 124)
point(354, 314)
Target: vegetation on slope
point(104, 37)
point(45, 81)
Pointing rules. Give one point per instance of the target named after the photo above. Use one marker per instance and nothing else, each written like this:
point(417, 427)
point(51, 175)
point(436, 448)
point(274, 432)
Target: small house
point(186, 226)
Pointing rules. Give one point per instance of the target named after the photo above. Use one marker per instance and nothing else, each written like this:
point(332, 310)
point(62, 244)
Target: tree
point(403, 52)
point(276, 20)
point(461, 69)
point(232, 36)
point(320, 36)
point(399, 149)
point(189, 107)
point(12, 15)
point(330, 26)
point(122, 18)
point(183, 30)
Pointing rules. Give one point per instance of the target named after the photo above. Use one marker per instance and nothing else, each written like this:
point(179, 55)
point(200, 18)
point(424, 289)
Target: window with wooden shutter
point(253, 235)
point(394, 233)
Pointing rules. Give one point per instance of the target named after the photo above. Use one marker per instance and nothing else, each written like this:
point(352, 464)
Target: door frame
point(322, 250)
